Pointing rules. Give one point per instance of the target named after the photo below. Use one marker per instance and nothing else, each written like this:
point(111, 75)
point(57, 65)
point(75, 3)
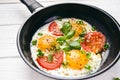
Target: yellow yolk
point(76, 59)
point(77, 27)
point(46, 42)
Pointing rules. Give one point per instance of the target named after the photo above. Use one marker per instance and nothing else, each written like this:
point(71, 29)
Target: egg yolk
point(46, 42)
point(76, 59)
point(77, 27)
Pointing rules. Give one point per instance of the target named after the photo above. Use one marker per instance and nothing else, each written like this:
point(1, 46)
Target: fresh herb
point(66, 27)
point(83, 52)
point(40, 34)
point(67, 36)
point(40, 53)
point(88, 55)
point(80, 22)
point(67, 48)
point(65, 43)
point(57, 47)
point(106, 46)
point(65, 64)
point(116, 78)
point(70, 34)
point(60, 42)
point(88, 67)
point(54, 48)
point(62, 38)
point(34, 42)
point(84, 30)
point(82, 34)
point(75, 45)
point(50, 58)
point(59, 18)
point(93, 28)
point(81, 39)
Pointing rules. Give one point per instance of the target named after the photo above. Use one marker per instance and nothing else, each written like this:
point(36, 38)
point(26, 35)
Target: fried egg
point(76, 60)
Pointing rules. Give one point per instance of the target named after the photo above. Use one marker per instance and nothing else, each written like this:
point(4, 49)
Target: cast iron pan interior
point(95, 16)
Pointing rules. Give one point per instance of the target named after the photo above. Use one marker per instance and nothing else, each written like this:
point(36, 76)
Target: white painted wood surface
point(13, 14)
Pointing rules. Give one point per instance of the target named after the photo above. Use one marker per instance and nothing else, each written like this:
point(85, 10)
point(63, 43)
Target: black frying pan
point(93, 15)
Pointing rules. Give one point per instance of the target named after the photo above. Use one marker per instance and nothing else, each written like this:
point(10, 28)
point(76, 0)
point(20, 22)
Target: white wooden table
point(12, 16)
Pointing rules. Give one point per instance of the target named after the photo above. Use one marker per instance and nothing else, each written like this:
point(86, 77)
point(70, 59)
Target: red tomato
point(94, 42)
point(56, 63)
point(53, 27)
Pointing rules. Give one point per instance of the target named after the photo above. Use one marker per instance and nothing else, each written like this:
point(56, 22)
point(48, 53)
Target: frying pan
point(103, 21)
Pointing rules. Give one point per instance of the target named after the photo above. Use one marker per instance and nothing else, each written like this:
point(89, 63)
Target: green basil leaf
point(66, 27)
point(70, 34)
point(67, 48)
point(75, 45)
point(62, 38)
point(93, 28)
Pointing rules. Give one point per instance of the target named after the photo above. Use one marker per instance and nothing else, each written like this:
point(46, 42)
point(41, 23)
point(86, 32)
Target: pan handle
point(32, 5)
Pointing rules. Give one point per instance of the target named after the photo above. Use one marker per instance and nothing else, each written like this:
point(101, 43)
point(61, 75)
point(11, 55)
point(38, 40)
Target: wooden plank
point(8, 34)
point(18, 13)
point(8, 40)
point(16, 69)
point(18, 1)
point(8, 1)
point(8, 50)
point(10, 14)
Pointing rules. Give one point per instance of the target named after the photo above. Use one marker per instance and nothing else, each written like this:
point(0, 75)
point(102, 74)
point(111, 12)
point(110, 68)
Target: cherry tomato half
point(94, 42)
point(53, 27)
point(56, 63)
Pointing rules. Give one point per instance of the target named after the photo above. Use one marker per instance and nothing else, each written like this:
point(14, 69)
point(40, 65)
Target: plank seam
point(6, 57)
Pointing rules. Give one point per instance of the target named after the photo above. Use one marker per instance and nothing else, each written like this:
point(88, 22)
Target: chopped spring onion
point(80, 22)
point(116, 78)
point(88, 55)
point(34, 42)
point(59, 18)
point(40, 53)
point(88, 67)
point(50, 58)
point(65, 64)
point(93, 28)
point(106, 46)
point(82, 34)
point(40, 34)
